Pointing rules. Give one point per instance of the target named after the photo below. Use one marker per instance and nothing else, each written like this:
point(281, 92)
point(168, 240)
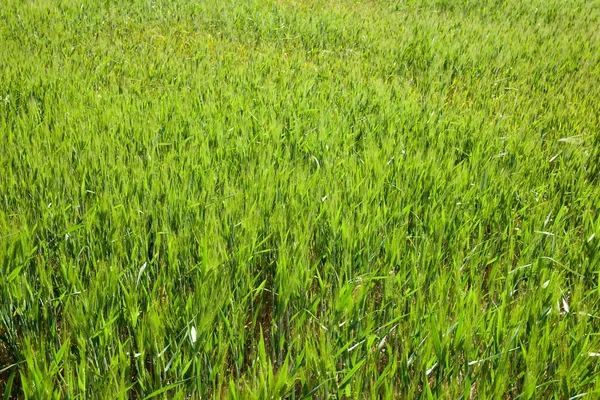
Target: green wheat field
point(300, 199)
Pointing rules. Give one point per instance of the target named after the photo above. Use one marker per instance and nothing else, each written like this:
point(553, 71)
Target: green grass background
point(357, 199)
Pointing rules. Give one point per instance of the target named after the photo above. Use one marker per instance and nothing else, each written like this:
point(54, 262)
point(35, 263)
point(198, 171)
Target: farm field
point(300, 199)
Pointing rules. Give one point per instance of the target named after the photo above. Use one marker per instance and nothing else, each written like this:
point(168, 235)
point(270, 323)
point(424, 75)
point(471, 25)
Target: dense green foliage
point(299, 198)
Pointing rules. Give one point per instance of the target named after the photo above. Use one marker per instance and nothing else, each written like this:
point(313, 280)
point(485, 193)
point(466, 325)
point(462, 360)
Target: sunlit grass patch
point(299, 199)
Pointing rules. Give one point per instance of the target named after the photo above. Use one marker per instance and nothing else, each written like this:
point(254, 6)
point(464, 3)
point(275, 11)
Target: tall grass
point(299, 199)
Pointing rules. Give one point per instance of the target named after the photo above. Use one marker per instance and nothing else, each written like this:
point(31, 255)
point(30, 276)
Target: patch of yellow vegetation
point(338, 6)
